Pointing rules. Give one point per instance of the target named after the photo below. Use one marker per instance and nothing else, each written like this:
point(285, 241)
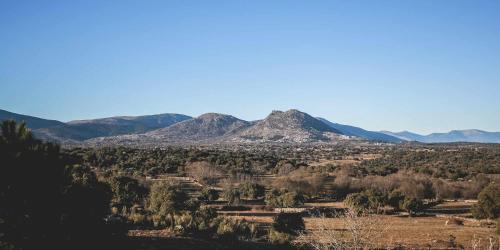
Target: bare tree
point(359, 231)
point(489, 243)
point(204, 172)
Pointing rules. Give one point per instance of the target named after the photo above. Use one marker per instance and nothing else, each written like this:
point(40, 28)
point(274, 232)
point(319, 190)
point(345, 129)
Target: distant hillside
point(290, 126)
point(206, 126)
point(359, 132)
point(86, 129)
point(405, 135)
point(147, 122)
point(470, 135)
point(31, 121)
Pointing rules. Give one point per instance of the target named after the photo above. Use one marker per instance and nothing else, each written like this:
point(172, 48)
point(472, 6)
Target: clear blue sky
point(424, 66)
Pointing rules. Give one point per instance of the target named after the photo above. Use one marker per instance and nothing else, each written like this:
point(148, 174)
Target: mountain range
point(81, 130)
point(468, 135)
point(292, 126)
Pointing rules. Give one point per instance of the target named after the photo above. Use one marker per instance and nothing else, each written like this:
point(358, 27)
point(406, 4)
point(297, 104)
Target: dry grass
point(332, 204)
point(348, 160)
point(458, 203)
point(417, 232)
point(389, 230)
point(256, 219)
point(411, 232)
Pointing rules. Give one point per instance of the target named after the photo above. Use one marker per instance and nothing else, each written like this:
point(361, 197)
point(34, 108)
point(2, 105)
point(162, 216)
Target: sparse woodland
point(270, 196)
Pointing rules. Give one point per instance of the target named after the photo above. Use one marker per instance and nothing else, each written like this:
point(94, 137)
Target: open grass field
point(415, 232)
point(410, 232)
point(423, 232)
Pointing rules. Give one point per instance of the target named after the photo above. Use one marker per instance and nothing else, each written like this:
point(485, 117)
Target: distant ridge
point(120, 125)
point(81, 130)
point(148, 121)
point(292, 126)
point(359, 132)
point(405, 135)
point(468, 135)
point(31, 121)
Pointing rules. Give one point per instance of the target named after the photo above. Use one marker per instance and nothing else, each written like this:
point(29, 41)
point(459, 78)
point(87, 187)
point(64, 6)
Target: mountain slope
point(470, 135)
point(31, 121)
point(290, 126)
point(359, 132)
point(86, 129)
point(112, 126)
point(203, 127)
point(146, 121)
point(405, 135)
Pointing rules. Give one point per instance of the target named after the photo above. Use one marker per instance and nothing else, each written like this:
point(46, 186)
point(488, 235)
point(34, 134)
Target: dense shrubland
point(141, 162)
point(417, 172)
point(440, 161)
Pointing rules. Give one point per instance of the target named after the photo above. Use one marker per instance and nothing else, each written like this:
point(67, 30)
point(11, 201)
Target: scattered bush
point(126, 191)
point(250, 190)
point(488, 205)
point(285, 227)
point(209, 194)
point(396, 199)
point(232, 196)
point(231, 230)
point(283, 198)
point(166, 200)
point(367, 200)
point(204, 219)
point(357, 201)
point(291, 223)
point(412, 205)
point(303, 181)
point(279, 238)
point(203, 172)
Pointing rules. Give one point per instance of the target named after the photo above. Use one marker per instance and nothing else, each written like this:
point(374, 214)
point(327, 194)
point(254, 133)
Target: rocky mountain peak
point(290, 126)
point(295, 119)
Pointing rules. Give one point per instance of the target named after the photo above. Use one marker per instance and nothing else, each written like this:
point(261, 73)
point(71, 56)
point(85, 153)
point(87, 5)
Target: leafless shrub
point(480, 243)
point(475, 243)
point(203, 172)
point(301, 181)
point(359, 231)
point(284, 168)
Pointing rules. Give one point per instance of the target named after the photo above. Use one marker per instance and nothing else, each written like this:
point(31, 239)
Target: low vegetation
point(238, 195)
